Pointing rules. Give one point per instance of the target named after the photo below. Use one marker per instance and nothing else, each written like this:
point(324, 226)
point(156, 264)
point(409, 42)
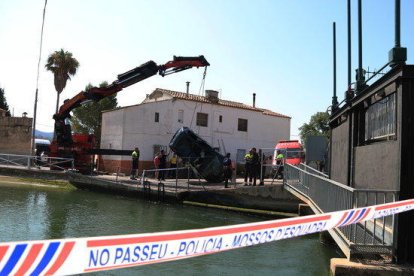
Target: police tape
point(82, 255)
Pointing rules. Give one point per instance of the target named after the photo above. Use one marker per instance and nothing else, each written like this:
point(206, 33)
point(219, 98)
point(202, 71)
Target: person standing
point(280, 162)
point(135, 161)
point(255, 166)
point(227, 170)
point(162, 165)
point(173, 165)
point(157, 164)
point(247, 167)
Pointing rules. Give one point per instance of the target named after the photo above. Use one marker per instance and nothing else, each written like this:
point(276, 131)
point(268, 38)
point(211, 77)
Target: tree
point(318, 126)
point(63, 65)
point(87, 118)
point(3, 102)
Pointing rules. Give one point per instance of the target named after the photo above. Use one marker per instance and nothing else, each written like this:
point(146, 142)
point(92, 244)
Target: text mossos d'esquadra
point(144, 253)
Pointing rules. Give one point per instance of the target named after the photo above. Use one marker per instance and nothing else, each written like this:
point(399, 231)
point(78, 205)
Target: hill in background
point(44, 135)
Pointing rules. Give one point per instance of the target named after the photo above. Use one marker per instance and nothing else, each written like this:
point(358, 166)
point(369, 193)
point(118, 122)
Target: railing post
point(28, 162)
point(117, 174)
point(188, 178)
point(176, 180)
point(143, 178)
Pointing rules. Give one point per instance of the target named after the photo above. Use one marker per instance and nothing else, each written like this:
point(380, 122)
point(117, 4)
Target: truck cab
point(292, 151)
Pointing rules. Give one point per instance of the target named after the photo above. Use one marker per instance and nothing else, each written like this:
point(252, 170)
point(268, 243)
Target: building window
point(202, 119)
point(380, 119)
point(181, 116)
point(220, 118)
point(157, 117)
point(242, 125)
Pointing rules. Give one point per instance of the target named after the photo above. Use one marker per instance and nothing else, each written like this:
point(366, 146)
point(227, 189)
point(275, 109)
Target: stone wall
point(15, 135)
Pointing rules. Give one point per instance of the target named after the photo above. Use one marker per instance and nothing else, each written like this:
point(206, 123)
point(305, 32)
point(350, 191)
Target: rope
point(203, 81)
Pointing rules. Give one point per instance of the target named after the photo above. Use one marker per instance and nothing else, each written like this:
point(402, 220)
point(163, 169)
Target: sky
point(279, 49)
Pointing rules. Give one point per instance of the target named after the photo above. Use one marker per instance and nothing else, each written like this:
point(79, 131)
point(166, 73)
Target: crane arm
point(124, 80)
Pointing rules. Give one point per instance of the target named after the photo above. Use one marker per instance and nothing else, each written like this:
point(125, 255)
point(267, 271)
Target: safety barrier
point(74, 256)
point(326, 195)
point(153, 173)
point(34, 161)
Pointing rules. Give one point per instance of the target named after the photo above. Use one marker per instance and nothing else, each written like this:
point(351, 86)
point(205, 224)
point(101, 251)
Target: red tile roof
point(203, 99)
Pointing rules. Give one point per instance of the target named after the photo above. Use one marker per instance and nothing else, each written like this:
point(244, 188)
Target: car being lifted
point(198, 154)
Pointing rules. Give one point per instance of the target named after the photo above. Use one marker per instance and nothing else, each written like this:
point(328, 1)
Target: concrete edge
point(243, 210)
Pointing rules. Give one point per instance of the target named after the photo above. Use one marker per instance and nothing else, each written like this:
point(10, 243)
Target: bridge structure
point(368, 240)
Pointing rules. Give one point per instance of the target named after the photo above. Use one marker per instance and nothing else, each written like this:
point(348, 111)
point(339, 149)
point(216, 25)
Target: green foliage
point(87, 118)
point(317, 126)
point(63, 65)
point(3, 102)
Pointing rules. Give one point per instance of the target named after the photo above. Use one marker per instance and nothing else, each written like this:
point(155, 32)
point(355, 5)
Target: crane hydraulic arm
point(62, 129)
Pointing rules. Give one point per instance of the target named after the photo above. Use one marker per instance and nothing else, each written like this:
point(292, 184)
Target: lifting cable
point(202, 85)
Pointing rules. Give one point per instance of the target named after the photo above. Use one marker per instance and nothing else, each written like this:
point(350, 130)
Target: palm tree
point(63, 66)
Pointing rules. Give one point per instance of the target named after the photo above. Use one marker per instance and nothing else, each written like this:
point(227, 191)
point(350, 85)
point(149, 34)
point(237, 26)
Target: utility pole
point(33, 144)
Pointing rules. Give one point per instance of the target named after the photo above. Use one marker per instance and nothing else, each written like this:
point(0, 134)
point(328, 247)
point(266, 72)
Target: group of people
point(160, 163)
point(252, 167)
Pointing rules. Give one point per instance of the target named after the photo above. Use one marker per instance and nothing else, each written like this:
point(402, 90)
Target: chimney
point(188, 88)
point(212, 96)
point(254, 100)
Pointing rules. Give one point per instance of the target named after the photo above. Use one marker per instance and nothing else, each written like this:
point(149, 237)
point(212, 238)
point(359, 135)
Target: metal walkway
point(363, 240)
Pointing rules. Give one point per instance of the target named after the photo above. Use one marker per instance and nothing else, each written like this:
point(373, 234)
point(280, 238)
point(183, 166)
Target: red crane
point(81, 146)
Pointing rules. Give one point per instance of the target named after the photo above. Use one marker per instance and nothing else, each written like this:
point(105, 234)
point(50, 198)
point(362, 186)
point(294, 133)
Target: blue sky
point(280, 50)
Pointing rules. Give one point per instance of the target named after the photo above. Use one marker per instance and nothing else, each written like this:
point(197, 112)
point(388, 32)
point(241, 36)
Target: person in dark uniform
point(255, 166)
point(135, 161)
point(247, 167)
point(227, 169)
point(163, 165)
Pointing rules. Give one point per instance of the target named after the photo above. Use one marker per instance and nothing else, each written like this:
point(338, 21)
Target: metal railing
point(153, 173)
point(34, 161)
point(325, 195)
point(312, 170)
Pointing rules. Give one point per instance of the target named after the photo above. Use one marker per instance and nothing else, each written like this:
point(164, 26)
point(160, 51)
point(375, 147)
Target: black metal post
point(334, 98)
point(398, 54)
point(360, 75)
point(397, 23)
point(349, 45)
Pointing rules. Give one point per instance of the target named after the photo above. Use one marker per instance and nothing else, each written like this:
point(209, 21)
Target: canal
point(39, 212)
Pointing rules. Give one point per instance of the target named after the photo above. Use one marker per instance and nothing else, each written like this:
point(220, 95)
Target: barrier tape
point(74, 256)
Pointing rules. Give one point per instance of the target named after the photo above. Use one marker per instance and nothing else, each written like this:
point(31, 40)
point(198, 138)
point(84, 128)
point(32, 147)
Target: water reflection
point(29, 213)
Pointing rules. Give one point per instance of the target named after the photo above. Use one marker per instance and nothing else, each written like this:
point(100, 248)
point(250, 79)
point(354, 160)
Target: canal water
point(33, 213)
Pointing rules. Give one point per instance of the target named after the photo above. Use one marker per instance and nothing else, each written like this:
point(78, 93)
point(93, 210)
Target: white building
point(226, 125)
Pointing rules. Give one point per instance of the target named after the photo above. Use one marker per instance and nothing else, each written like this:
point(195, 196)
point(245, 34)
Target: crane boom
point(63, 144)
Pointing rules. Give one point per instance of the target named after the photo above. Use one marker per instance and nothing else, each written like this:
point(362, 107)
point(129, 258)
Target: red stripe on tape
point(364, 215)
point(3, 250)
point(394, 205)
point(204, 233)
point(342, 219)
point(30, 258)
point(67, 248)
point(356, 214)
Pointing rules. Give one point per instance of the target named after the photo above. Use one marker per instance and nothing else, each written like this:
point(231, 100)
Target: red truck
point(292, 150)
